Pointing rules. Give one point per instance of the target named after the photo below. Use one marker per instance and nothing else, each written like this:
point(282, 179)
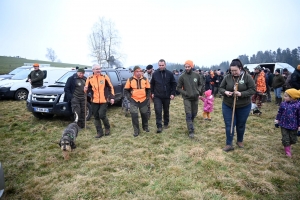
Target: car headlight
point(7, 85)
point(62, 97)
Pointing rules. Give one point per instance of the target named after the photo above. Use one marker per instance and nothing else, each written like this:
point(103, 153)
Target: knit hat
point(258, 67)
point(298, 67)
point(285, 70)
point(190, 63)
point(36, 65)
point(80, 70)
point(149, 67)
point(277, 70)
point(295, 94)
point(207, 93)
point(136, 68)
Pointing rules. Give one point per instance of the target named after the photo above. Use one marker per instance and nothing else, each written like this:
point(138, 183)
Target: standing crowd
point(238, 89)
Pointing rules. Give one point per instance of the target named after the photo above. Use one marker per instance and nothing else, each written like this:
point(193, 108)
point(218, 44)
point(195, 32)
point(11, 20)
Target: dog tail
point(76, 117)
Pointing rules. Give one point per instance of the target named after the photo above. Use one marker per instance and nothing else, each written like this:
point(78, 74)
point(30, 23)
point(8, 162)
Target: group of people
point(238, 89)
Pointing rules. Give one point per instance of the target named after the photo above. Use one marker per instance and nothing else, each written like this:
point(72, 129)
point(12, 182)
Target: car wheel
point(21, 94)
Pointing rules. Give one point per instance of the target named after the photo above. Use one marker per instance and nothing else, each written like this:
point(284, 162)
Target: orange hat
point(36, 65)
point(190, 63)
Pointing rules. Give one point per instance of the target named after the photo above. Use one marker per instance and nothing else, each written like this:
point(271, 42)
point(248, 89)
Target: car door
point(116, 82)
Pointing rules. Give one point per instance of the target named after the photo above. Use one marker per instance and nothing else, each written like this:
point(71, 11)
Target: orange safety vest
point(102, 88)
point(138, 88)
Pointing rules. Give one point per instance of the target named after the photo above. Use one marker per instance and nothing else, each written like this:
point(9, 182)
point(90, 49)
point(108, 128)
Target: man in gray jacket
point(190, 85)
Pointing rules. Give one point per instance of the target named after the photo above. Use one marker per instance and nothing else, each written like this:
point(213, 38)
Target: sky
point(206, 32)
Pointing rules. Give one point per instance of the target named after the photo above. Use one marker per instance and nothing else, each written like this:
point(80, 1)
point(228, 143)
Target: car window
point(113, 77)
point(125, 74)
point(15, 71)
point(65, 77)
point(21, 75)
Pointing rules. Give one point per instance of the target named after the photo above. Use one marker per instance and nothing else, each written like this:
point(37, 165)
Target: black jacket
point(70, 86)
point(295, 79)
point(163, 84)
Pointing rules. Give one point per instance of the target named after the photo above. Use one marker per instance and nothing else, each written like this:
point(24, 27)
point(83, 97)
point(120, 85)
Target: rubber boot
point(99, 132)
point(288, 151)
point(279, 101)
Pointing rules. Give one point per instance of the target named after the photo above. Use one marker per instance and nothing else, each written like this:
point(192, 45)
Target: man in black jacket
point(163, 88)
point(74, 90)
point(295, 78)
point(36, 76)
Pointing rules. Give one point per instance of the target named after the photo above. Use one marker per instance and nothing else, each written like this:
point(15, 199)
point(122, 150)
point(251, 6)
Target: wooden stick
point(233, 108)
point(85, 104)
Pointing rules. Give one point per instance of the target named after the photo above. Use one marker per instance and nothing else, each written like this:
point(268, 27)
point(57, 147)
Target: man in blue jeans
point(163, 89)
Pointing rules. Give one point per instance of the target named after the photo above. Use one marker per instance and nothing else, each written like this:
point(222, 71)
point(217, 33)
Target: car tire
point(42, 115)
point(21, 94)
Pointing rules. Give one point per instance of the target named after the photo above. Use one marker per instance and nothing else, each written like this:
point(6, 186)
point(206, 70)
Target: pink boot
point(288, 151)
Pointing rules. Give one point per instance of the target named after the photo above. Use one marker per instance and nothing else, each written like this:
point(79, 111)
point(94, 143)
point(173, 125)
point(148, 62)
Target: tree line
point(291, 57)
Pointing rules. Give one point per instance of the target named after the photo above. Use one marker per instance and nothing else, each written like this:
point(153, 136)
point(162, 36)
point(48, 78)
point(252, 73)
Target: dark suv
point(49, 101)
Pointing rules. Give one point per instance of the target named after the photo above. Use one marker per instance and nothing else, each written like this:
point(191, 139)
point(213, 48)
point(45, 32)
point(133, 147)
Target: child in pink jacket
point(208, 105)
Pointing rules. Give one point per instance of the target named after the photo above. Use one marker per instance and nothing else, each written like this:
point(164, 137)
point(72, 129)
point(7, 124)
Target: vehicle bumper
point(62, 108)
point(6, 93)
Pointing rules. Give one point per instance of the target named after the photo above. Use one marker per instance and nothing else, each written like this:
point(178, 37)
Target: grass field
point(151, 166)
point(7, 64)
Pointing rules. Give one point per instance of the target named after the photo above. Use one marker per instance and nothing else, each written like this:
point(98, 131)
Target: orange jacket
point(260, 82)
point(102, 89)
point(137, 89)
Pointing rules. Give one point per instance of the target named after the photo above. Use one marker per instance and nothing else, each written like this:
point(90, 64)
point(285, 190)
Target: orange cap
point(190, 63)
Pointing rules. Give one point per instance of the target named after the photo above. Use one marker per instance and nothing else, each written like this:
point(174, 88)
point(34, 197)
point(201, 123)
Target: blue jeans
point(240, 119)
point(277, 92)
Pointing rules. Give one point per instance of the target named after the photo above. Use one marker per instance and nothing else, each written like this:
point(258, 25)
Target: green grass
point(7, 64)
point(150, 166)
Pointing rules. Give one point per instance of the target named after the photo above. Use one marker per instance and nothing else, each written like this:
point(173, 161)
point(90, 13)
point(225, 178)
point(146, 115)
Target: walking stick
point(233, 108)
point(85, 104)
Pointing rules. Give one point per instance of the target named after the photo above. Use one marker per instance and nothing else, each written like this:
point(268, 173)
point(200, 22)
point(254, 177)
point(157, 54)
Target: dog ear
point(59, 143)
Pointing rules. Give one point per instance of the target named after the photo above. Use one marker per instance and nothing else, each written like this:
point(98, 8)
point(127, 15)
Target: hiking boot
point(107, 132)
point(135, 134)
point(209, 119)
point(166, 126)
point(228, 148)
point(146, 130)
point(99, 135)
point(159, 130)
point(240, 144)
point(191, 135)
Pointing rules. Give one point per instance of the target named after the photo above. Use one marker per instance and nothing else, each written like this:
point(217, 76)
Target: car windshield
point(21, 75)
point(15, 71)
point(64, 78)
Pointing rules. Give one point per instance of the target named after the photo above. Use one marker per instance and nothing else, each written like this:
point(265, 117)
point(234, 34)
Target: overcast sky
point(207, 32)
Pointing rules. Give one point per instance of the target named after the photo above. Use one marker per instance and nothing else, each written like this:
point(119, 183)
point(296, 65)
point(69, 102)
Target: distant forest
point(291, 57)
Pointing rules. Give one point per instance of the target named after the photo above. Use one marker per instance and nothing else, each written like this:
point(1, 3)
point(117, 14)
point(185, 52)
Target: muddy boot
point(99, 132)
point(279, 101)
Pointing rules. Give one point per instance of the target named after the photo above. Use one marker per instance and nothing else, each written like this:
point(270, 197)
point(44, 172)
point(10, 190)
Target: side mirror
point(45, 73)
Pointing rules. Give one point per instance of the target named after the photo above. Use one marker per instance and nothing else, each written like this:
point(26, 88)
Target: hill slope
point(7, 64)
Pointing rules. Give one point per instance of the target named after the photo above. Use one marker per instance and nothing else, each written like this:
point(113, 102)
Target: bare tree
point(51, 54)
point(104, 42)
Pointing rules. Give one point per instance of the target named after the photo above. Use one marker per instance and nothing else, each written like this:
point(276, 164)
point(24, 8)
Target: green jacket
point(246, 86)
point(278, 81)
point(190, 85)
point(37, 78)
